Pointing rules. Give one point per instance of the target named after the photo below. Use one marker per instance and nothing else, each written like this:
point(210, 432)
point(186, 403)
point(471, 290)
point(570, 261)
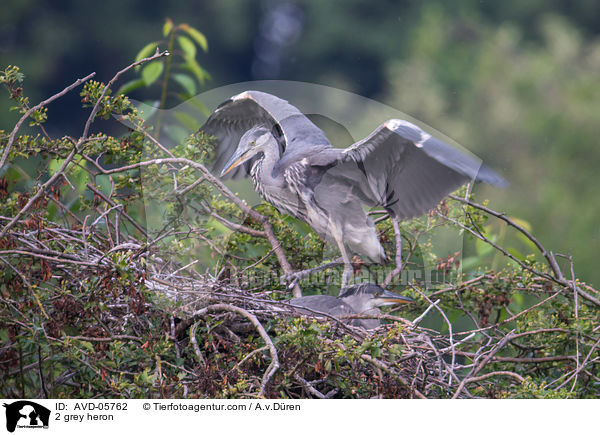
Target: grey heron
point(293, 166)
point(363, 298)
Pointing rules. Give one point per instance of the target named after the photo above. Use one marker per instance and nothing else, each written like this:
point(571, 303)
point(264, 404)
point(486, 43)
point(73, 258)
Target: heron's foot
point(291, 279)
point(346, 276)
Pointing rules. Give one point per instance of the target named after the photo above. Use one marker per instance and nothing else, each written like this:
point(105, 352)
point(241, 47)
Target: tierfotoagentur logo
point(25, 414)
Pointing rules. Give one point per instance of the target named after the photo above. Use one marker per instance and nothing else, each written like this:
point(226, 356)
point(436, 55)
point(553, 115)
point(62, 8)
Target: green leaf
point(196, 69)
point(145, 52)
point(186, 82)
point(87, 345)
point(196, 36)
point(187, 46)
point(54, 165)
point(188, 121)
point(167, 26)
point(199, 105)
point(176, 132)
point(471, 263)
point(483, 248)
point(151, 72)
point(130, 86)
point(517, 299)
point(522, 223)
point(148, 109)
point(517, 254)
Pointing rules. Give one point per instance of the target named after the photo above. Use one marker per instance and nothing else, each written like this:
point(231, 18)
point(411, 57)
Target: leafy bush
point(96, 301)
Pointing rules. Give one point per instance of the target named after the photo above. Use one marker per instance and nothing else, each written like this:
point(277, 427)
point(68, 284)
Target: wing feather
point(243, 111)
point(408, 171)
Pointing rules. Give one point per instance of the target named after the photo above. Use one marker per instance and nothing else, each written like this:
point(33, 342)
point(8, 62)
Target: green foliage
point(191, 73)
point(96, 328)
point(531, 390)
point(181, 68)
point(12, 79)
point(534, 104)
point(91, 93)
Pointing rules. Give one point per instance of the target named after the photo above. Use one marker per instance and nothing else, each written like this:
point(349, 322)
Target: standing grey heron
point(357, 299)
point(294, 167)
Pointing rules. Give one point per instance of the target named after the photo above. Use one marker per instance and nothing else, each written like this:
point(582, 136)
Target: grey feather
point(294, 167)
point(363, 299)
point(240, 113)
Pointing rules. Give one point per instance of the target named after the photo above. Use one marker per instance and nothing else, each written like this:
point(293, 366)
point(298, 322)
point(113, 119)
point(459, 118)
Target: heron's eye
point(253, 142)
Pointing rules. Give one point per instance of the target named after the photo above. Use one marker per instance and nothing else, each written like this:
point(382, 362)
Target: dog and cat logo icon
point(25, 414)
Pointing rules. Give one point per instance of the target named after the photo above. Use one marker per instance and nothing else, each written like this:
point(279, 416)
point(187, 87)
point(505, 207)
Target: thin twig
point(274, 365)
point(113, 204)
point(194, 341)
point(498, 373)
point(309, 388)
point(482, 364)
point(47, 101)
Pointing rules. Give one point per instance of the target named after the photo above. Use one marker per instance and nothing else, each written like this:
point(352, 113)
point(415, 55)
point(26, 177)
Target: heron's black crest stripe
point(360, 289)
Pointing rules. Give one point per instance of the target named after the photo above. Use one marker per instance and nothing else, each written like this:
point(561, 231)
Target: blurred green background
point(515, 82)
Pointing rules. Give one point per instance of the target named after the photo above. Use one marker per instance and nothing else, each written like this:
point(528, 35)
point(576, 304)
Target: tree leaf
point(522, 222)
point(199, 105)
point(197, 36)
point(187, 46)
point(483, 248)
point(188, 121)
point(529, 243)
point(167, 27)
point(471, 263)
point(186, 82)
point(130, 86)
point(151, 72)
point(196, 69)
point(177, 133)
point(516, 254)
point(145, 52)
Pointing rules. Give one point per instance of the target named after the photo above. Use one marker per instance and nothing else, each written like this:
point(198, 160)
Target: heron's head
point(364, 297)
point(251, 143)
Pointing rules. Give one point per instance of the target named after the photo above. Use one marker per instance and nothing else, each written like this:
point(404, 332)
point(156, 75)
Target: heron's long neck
point(262, 170)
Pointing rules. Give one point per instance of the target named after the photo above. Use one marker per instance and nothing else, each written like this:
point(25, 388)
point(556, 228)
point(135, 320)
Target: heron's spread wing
point(406, 170)
point(243, 111)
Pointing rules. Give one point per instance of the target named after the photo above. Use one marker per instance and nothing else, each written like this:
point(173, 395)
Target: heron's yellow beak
point(237, 159)
point(233, 165)
point(393, 298)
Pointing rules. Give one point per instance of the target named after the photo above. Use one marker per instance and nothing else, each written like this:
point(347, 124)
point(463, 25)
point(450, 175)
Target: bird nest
point(315, 354)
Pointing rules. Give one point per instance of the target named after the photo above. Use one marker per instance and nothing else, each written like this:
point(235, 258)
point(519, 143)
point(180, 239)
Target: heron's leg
point(347, 274)
point(348, 271)
point(398, 257)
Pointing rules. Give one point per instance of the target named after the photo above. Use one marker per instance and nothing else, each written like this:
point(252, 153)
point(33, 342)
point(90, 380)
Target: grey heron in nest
point(363, 299)
point(293, 166)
